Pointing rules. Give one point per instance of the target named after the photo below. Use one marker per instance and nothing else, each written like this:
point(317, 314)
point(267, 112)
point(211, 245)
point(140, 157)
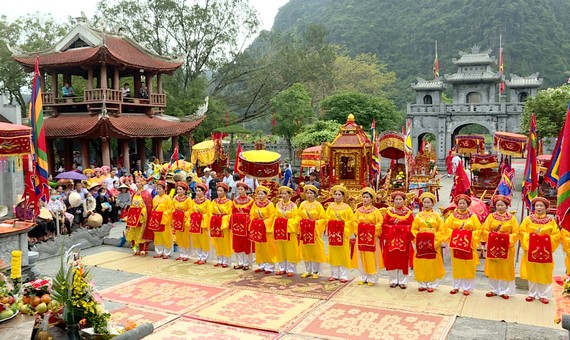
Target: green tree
point(364, 74)
point(365, 108)
point(316, 134)
point(205, 34)
point(550, 107)
point(292, 109)
point(30, 33)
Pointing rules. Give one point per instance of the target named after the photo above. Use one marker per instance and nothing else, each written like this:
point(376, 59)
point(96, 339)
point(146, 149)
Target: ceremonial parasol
point(71, 175)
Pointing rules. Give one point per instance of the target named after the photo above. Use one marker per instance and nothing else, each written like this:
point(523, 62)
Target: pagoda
point(102, 63)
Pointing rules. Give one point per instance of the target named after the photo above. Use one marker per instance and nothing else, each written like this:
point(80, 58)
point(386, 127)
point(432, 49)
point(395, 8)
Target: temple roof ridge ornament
point(429, 85)
point(475, 57)
point(530, 81)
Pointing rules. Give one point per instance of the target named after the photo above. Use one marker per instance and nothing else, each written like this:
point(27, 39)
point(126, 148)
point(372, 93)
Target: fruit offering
point(8, 306)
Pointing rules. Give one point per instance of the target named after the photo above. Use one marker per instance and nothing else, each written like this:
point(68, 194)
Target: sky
point(61, 9)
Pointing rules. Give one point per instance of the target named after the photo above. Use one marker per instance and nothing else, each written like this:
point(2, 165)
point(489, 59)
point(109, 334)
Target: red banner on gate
point(336, 233)
point(539, 249)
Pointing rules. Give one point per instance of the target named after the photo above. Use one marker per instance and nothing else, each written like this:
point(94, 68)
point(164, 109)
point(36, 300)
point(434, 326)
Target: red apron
point(460, 242)
point(307, 231)
point(366, 239)
point(397, 238)
point(178, 220)
point(216, 226)
point(280, 229)
point(539, 249)
point(257, 232)
point(133, 217)
point(498, 246)
point(336, 233)
point(425, 246)
point(196, 223)
point(239, 223)
point(154, 221)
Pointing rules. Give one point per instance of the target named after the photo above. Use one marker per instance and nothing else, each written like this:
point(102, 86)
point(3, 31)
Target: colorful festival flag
point(551, 175)
point(505, 187)
point(501, 67)
point(36, 116)
point(435, 63)
point(373, 130)
point(238, 152)
point(563, 188)
point(530, 183)
point(408, 144)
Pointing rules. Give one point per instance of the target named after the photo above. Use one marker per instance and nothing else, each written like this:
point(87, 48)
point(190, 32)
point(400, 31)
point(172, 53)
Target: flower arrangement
point(38, 287)
point(399, 181)
point(74, 290)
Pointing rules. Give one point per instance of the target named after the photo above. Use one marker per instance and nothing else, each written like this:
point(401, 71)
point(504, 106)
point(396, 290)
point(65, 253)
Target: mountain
point(403, 33)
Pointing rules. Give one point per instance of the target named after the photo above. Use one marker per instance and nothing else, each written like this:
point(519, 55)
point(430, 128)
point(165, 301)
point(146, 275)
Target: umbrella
point(71, 175)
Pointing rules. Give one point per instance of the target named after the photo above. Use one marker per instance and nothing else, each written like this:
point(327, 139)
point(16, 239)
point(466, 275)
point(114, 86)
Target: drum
point(259, 164)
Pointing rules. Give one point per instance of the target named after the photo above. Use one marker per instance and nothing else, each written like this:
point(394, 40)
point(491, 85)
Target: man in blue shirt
point(67, 90)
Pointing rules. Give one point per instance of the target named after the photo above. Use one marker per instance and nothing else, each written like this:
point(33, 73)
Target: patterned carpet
point(105, 257)
point(333, 320)
point(160, 294)
point(185, 329)
point(319, 288)
point(139, 316)
point(250, 309)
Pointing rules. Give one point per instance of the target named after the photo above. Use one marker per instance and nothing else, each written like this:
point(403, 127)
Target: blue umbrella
point(76, 176)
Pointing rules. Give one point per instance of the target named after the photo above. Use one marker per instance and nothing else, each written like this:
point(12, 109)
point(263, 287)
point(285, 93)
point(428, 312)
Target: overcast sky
point(61, 9)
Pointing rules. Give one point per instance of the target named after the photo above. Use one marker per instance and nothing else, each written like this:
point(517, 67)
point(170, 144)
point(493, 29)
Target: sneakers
point(305, 275)
point(315, 276)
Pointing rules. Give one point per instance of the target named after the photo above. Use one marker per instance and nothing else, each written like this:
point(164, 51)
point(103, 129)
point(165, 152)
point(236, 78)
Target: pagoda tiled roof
point(123, 126)
point(118, 49)
point(473, 77)
point(524, 82)
point(474, 59)
point(351, 135)
point(435, 84)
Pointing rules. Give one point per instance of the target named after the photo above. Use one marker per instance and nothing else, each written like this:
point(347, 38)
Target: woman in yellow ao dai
point(181, 203)
point(428, 268)
point(163, 239)
point(501, 232)
point(463, 263)
point(285, 230)
point(201, 240)
point(311, 242)
point(339, 244)
point(537, 262)
point(364, 218)
point(263, 210)
point(134, 233)
point(221, 208)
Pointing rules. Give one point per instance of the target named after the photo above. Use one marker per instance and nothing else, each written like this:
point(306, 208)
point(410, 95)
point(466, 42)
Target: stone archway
point(430, 136)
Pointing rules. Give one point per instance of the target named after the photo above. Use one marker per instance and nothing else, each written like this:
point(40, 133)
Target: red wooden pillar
point(85, 153)
point(49, 147)
point(67, 155)
point(141, 151)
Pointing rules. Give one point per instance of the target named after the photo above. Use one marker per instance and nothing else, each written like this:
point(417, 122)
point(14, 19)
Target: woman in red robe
point(147, 234)
point(449, 163)
point(239, 222)
point(397, 237)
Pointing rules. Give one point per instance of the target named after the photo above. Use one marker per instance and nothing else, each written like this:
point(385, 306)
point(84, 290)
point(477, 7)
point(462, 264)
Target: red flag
point(238, 152)
point(435, 63)
point(530, 181)
point(502, 71)
point(563, 188)
point(461, 184)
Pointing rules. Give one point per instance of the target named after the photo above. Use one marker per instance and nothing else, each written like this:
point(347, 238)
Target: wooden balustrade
point(47, 98)
point(103, 95)
point(158, 99)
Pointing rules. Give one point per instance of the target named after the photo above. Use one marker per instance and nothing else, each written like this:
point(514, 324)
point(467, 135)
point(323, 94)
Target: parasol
point(76, 176)
point(510, 144)
point(469, 144)
point(311, 157)
point(203, 152)
point(391, 145)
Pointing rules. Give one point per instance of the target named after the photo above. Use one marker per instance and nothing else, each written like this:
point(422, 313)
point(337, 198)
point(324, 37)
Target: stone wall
point(87, 238)
point(12, 185)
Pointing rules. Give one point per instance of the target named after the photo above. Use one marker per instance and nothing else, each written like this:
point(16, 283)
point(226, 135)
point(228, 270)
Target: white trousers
point(426, 285)
point(288, 267)
point(397, 277)
point(373, 278)
point(339, 272)
point(183, 253)
point(539, 290)
point(243, 259)
point(464, 284)
point(223, 260)
point(162, 250)
point(266, 266)
point(202, 255)
point(502, 287)
point(312, 267)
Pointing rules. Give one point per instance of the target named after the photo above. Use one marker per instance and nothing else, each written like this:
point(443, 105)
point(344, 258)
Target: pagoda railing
point(158, 99)
point(103, 95)
point(47, 98)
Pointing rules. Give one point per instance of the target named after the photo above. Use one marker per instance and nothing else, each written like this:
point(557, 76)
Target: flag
point(563, 188)
point(551, 175)
point(461, 182)
point(373, 130)
point(530, 182)
point(36, 116)
point(408, 143)
point(505, 187)
point(435, 63)
point(175, 156)
point(238, 152)
point(502, 71)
